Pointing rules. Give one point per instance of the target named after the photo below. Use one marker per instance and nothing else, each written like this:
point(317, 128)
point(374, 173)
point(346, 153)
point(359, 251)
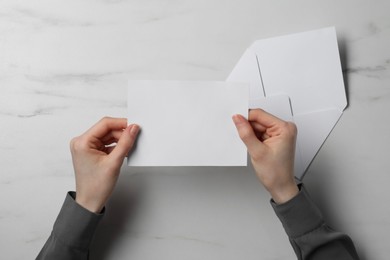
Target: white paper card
point(187, 123)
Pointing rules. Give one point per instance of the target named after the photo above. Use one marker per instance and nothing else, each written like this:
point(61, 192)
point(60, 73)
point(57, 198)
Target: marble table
point(64, 65)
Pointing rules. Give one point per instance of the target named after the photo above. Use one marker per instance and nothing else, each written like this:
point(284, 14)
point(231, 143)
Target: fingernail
point(237, 119)
point(134, 129)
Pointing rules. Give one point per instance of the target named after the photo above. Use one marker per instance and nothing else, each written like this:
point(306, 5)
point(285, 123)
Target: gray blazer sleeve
point(309, 235)
point(72, 232)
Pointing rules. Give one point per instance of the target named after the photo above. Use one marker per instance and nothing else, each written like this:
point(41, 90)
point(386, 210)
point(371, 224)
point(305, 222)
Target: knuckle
point(289, 128)
point(105, 119)
point(292, 128)
point(285, 125)
point(77, 144)
point(254, 113)
point(73, 143)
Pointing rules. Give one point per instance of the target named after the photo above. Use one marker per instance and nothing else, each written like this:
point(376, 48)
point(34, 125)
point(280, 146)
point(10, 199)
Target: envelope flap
point(278, 106)
point(313, 129)
point(247, 70)
point(306, 67)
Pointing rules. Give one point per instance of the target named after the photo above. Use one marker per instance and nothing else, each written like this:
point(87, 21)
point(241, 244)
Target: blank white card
point(187, 123)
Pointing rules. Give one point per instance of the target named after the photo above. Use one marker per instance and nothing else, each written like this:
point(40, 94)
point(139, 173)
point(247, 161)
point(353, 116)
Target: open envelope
point(297, 77)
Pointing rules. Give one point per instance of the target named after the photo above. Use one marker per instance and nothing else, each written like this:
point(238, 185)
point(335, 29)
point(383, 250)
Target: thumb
point(247, 134)
point(125, 142)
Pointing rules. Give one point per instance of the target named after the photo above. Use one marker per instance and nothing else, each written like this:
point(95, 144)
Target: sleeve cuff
point(75, 225)
point(299, 215)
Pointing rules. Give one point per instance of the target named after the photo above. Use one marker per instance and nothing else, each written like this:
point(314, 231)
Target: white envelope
point(306, 68)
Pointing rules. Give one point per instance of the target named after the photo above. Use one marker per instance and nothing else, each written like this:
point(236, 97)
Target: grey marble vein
point(177, 237)
point(67, 78)
point(31, 17)
point(36, 112)
point(378, 71)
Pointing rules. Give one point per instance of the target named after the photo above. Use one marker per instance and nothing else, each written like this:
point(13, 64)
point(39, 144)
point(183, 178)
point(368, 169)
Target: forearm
point(72, 232)
point(309, 235)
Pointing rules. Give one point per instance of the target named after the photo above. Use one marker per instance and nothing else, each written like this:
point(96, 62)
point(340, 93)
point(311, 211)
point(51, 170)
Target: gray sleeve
point(72, 232)
point(309, 235)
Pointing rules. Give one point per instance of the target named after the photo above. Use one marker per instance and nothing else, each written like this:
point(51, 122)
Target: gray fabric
point(309, 235)
point(72, 232)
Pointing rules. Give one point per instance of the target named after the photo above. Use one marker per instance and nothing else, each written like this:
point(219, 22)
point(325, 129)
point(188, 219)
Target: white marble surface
point(64, 64)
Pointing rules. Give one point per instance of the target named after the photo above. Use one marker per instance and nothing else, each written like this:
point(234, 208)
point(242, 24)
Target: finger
point(257, 127)
point(109, 149)
point(125, 143)
point(247, 134)
point(259, 130)
point(106, 125)
point(110, 142)
point(264, 118)
point(112, 136)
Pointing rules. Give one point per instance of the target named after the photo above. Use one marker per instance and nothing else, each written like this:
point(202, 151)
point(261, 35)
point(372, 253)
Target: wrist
point(88, 205)
point(284, 194)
